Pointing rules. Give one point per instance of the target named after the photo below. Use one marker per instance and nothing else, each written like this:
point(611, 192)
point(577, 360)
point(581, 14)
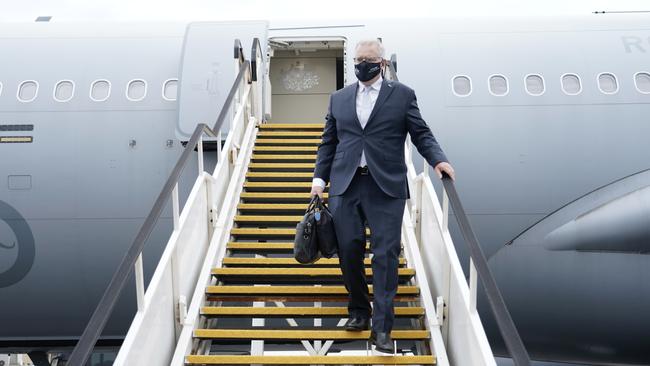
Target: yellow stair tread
point(284, 157)
point(279, 175)
point(301, 334)
point(271, 218)
point(277, 184)
point(272, 206)
point(267, 246)
point(268, 126)
point(273, 231)
point(304, 195)
point(290, 133)
point(307, 271)
point(288, 261)
point(268, 218)
point(281, 165)
point(288, 141)
point(285, 148)
point(296, 290)
point(296, 311)
point(310, 360)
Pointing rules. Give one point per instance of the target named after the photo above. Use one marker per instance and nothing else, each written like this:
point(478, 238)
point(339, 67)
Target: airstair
point(227, 290)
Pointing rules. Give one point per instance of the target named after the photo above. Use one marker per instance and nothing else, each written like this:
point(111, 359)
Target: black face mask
point(366, 71)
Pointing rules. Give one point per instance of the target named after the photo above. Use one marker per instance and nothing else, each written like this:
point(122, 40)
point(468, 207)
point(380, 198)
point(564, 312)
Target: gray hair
point(371, 42)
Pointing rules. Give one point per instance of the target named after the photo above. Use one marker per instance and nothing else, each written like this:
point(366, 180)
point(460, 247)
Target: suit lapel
point(353, 103)
point(385, 90)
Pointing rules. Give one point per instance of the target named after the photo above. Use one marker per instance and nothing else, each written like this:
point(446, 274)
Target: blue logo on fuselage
point(24, 244)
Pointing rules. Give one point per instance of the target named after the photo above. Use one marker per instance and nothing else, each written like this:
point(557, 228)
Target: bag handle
point(312, 203)
point(323, 206)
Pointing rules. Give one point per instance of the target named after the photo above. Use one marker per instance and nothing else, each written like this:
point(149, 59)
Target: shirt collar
point(376, 85)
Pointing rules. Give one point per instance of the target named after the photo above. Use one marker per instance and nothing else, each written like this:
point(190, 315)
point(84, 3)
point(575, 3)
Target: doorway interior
point(303, 73)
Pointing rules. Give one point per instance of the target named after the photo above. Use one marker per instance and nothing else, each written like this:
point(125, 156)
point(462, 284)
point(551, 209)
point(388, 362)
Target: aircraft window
point(641, 81)
point(498, 85)
point(100, 90)
point(461, 85)
point(170, 89)
point(63, 91)
point(607, 83)
point(136, 90)
point(571, 84)
point(27, 91)
point(535, 84)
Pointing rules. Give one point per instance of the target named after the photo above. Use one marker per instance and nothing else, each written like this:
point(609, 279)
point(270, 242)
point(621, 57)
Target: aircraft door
point(208, 69)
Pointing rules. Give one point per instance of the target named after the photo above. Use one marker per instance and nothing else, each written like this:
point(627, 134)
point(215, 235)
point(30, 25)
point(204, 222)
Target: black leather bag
point(305, 244)
point(327, 243)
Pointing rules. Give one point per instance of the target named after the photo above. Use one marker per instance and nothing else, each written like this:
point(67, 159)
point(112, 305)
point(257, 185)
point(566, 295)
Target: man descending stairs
point(267, 309)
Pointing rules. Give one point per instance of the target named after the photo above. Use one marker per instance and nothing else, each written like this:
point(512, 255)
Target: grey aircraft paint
point(532, 112)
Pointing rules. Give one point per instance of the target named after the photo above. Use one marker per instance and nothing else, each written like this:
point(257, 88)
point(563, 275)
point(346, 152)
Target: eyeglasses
point(358, 60)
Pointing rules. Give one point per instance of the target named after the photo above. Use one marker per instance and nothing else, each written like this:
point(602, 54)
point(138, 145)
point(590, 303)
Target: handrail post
point(219, 137)
point(175, 207)
point(199, 149)
point(445, 210)
point(473, 285)
point(139, 283)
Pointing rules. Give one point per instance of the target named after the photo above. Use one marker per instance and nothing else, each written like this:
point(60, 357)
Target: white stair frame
point(217, 249)
point(462, 331)
point(163, 318)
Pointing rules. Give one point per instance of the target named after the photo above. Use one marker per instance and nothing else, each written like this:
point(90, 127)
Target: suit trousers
point(365, 202)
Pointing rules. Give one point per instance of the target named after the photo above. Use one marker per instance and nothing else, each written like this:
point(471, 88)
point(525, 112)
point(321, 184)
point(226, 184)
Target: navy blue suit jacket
point(395, 113)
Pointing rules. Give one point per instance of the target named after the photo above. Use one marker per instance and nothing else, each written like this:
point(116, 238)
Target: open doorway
point(303, 73)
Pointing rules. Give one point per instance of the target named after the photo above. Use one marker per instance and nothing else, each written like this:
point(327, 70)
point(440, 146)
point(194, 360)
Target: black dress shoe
point(357, 324)
point(382, 342)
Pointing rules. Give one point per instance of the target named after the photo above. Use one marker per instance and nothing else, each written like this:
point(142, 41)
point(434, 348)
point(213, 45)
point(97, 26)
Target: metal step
point(275, 157)
point(257, 232)
point(282, 149)
point(291, 126)
point(269, 218)
point(279, 262)
point(278, 196)
point(296, 290)
point(288, 134)
point(280, 176)
point(310, 360)
point(273, 207)
point(267, 247)
point(289, 334)
point(294, 167)
point(295, 312)
point(270, 275)
point(287, 142)
point(278, 186)
point(296, 293)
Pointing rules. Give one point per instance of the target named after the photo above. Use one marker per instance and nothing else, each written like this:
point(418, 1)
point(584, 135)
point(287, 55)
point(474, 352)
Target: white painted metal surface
point(163, 313)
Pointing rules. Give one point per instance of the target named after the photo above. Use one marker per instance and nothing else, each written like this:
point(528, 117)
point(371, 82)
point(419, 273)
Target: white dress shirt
point(366, 98)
